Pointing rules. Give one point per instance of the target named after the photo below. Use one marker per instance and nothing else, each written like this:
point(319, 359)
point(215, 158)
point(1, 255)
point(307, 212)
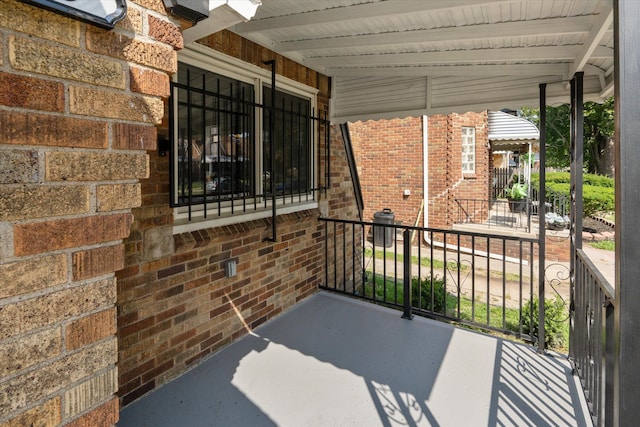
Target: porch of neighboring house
point(333, 360)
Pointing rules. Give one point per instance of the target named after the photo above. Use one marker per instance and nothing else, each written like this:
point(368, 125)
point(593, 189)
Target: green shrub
point(598, 180)
point(565, 178)
point(556, 322)
point(422, 294)
point(594, 199)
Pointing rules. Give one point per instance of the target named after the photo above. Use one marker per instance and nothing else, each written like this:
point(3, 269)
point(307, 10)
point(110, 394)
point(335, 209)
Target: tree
point(598, 135)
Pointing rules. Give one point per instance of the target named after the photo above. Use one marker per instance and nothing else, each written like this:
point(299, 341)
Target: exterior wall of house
point(85, 195)
point(78, 107)
point(175, 304)
point(389, 160)
point(389, 157)
point(446, 180)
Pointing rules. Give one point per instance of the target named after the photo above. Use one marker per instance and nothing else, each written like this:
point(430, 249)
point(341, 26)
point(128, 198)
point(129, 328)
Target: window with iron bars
point(234, 153)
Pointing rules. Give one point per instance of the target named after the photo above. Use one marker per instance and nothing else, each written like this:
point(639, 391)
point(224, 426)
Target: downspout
point(425, 191)
point(272, 153)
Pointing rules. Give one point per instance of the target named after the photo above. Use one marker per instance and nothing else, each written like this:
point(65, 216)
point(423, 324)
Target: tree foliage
point(598, 135)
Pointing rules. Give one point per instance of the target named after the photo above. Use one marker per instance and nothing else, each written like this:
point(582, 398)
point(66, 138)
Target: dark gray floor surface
point(332, 361)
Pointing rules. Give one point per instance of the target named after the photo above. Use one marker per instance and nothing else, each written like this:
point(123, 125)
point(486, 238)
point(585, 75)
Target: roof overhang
point(393, 58)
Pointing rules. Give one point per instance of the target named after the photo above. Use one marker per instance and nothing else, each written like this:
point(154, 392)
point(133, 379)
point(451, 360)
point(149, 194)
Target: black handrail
point(477, 279)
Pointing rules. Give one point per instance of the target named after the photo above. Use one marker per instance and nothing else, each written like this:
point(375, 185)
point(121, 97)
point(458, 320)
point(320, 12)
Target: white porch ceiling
point(391, 58)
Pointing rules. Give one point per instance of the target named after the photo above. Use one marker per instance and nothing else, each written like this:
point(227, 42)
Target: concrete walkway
point(333, 361)
point(604, 260)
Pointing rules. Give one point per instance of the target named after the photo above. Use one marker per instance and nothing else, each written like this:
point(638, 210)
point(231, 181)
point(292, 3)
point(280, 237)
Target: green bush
point(556, 322)
point(422, 294)
point(598, 180)
point(594, 199)
point(565, 177)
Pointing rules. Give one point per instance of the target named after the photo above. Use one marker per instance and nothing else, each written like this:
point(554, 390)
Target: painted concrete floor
point(333, 361)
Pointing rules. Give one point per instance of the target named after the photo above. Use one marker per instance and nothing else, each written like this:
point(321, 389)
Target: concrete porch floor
point(334, 361)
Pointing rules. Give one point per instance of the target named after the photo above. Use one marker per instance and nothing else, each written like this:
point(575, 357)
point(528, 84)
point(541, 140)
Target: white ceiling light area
point(391, 58)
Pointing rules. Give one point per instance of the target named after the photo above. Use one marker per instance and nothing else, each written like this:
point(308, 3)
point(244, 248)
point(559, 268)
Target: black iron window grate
point(221, 161)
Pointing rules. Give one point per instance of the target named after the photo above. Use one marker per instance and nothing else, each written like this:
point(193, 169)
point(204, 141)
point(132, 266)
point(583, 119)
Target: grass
point(607, 245)
point(610, 216)
point(469, 310)
point(459, 307)
point(424, 261)
point(439, 265)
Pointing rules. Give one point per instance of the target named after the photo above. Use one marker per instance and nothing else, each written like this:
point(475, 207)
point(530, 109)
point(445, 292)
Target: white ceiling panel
point(390, 57)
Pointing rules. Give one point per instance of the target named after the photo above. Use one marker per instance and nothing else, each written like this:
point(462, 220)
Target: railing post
point(609, 362)
point(406, 240)
point(541, 214)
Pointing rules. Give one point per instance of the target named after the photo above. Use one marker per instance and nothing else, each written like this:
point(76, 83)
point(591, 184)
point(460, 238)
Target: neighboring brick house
point(107, 290)
point(390, 155)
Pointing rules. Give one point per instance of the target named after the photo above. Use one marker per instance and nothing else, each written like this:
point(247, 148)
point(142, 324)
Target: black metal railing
point(556, 202)
point(220, 166)
point(592, 338)
point(495, 213)
point(476, 279)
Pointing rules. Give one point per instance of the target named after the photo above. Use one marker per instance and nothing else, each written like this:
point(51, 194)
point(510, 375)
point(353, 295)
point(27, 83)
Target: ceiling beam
point(356, 12)
point(607, 91)
point(551, 26)
point(538, 54)
point(559, 70)
point(597, 32)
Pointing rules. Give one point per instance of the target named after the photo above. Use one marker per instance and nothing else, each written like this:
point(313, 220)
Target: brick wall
point(389, 158)
point(76, 114)
point(175, 304)
point(446, 181)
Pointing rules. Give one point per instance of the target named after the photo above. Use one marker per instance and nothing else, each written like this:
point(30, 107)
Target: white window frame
point(468, 150)
point(211, 60)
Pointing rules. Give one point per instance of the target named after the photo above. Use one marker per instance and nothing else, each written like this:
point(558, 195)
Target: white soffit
point(222, 14)
point(391, 58)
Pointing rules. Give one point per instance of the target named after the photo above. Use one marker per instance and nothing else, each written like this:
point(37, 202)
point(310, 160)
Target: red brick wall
point(176, 308)
point(76, 116)
point(389, 157)
point(446, 181)
point(389, 160)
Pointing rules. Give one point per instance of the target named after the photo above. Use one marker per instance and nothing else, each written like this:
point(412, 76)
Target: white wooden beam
point(551, 26)
point(357, 12)
point(559, 70)
point(607, 91)
point(541, 53)
point(591, 44)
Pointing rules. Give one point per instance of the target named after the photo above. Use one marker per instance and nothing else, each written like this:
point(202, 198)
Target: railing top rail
point(604, 284)
point(434, 230)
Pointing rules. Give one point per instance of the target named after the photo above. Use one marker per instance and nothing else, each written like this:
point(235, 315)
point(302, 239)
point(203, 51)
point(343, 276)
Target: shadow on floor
point(332, 361)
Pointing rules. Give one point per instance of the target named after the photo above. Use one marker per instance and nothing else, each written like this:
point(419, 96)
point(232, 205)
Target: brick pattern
point(446, 181)
point(78, 107)
point(31, 93)
point(175, 304)
point(389, 160)
point(389, 157)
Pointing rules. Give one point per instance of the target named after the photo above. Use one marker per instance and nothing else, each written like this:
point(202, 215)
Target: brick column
point(78, 107)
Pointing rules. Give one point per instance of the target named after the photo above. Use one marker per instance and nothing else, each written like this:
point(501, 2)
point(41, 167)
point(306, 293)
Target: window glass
point(291, 162)
point(468, 150)
point(215, 137)
point(235, 149)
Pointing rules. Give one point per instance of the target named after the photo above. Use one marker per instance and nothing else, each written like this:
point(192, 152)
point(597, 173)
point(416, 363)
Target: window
point(235, 153)
point(468, 150)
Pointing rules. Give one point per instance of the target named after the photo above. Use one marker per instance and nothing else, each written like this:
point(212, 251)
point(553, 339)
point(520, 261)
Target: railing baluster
point(488, 302)
point(441, 287)
point(406, 238)
point(473, 278)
